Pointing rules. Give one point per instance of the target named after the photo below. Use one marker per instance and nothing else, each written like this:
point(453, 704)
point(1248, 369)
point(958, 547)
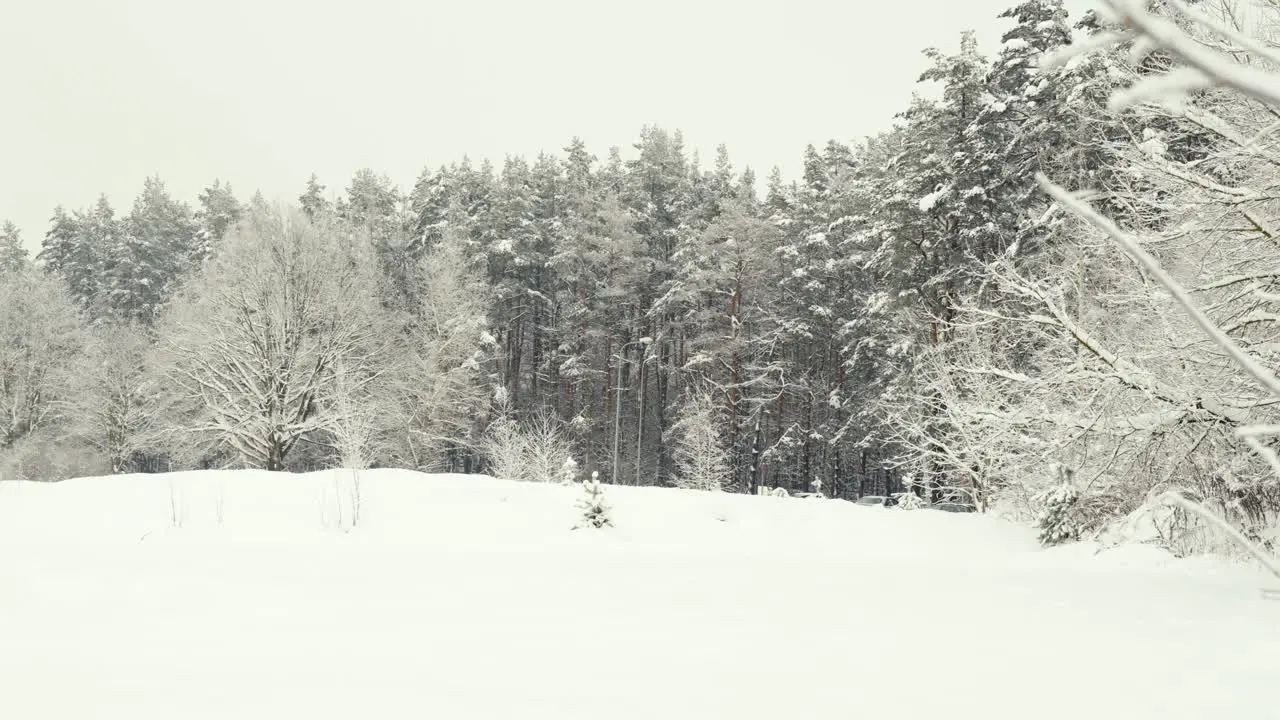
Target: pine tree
point(1037, 120)
point(372, 202)
point(312, 200)
point(69, 252)
point(219, 212)
point(777, 200)
point(13, 256)
point(155, 248)
point(429, 208)
point(659, 193)
point(258, 204)
point(745, 193)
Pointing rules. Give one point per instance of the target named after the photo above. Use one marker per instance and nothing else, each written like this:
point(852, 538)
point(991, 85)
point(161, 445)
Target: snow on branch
point(1205, 68)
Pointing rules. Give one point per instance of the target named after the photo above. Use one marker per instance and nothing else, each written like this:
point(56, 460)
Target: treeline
point(913, 303)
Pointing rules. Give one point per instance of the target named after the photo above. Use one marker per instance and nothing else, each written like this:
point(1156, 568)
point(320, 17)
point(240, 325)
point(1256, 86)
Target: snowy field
point(467, 597)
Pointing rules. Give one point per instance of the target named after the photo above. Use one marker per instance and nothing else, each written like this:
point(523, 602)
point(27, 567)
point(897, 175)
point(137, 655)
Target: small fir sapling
point(595, 511)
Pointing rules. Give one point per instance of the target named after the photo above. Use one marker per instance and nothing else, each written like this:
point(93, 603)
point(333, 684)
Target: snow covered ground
point(467, 597)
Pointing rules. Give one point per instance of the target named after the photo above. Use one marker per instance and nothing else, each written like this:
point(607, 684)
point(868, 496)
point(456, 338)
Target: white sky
point(98, 94)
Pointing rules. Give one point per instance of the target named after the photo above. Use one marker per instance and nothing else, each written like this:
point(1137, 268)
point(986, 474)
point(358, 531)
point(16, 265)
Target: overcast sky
point(99, 94)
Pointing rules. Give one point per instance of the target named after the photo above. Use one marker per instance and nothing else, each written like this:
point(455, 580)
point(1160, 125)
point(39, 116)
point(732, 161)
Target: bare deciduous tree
point(41, 338)
point(535, 450)
point(112, 407)
point(252, 343)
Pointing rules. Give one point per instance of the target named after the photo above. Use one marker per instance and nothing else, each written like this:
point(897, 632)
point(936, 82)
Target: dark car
point(877, 500)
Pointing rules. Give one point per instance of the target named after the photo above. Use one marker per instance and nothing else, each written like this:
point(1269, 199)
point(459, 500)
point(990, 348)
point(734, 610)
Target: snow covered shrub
point(1221, 301)
point(49, 456)
point(1059, 521)
point(595, 512)
point(504, 449)
point(535, 451)
point(908, 501)
point(547, 447)
point(1057, 524)
point(569, 472)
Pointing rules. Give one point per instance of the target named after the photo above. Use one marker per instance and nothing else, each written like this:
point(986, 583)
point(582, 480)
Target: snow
point(469, 597)
point(928, 202)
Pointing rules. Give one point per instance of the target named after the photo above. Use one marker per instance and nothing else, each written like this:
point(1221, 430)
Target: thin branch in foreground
point(1163, 34)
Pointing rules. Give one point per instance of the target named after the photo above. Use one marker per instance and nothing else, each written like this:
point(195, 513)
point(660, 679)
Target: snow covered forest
point(916, 313)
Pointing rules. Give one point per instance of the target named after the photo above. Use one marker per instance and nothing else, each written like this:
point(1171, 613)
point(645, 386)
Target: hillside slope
point(250, 595)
